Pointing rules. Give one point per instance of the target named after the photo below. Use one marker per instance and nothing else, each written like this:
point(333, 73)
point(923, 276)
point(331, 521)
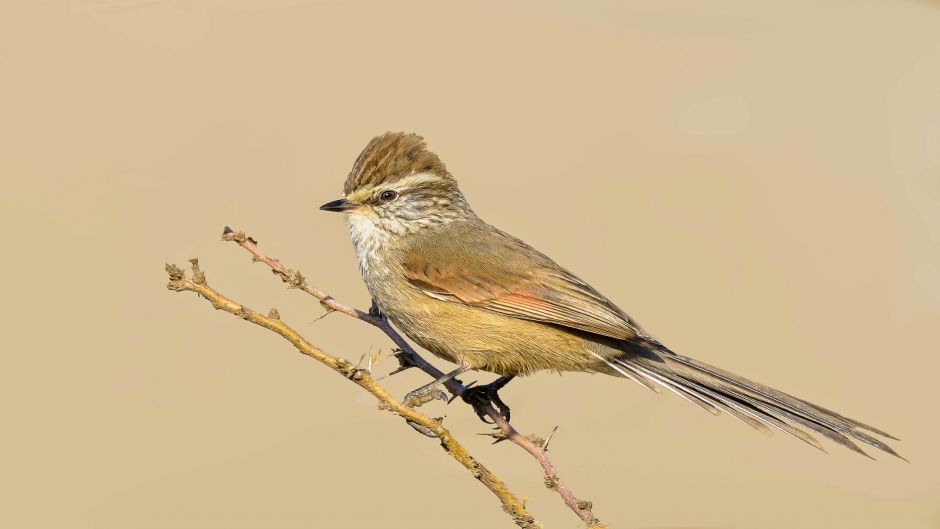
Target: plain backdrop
point(758, 183)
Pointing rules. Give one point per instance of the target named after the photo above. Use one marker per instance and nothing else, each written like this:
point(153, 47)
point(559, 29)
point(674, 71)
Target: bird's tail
point(757, 405)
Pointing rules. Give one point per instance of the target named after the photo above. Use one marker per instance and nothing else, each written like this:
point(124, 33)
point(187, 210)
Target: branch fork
point(408, 358)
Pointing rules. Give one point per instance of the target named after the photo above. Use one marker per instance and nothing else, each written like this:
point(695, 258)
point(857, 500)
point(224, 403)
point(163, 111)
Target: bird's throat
point(371, 243)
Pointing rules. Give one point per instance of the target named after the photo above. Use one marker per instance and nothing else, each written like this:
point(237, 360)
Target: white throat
point(369, 241)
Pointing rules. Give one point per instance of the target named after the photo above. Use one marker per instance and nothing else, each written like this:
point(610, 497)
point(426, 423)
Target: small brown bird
point(485, 300)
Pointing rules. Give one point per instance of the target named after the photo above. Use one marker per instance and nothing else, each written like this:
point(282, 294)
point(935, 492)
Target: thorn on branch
point(274, 314)
point(370, 356)
point(543, 443)
point(498, 435)
point(397, 370)
point(545, 446)
point(329, 310)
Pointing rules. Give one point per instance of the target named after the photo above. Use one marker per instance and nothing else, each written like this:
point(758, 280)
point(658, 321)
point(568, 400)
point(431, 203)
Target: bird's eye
point(388, 196)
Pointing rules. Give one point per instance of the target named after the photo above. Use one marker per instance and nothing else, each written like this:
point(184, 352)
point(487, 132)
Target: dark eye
point(388, 196)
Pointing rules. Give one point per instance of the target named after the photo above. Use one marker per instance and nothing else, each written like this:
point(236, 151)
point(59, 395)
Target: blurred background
point(756, 182)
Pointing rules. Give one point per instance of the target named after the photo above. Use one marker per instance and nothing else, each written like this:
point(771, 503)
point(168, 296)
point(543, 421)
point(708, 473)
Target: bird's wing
point(476, 265)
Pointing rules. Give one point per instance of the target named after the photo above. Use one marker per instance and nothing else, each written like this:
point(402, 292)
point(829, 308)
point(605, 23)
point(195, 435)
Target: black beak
point(337, 205)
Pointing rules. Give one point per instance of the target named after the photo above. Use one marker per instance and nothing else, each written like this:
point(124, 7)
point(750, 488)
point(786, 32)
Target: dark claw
point(465, 388)
point(481, 397)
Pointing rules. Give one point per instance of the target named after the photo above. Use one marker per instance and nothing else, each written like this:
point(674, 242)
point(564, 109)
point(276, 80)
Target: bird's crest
point(391, 157)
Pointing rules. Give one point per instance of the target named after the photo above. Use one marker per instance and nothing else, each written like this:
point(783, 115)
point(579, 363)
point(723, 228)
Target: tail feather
point(762, 415)
point(715, 406)
point(826, 432)
point(691, 396)
point(757, 405)
point(871, 429)
point(628, 372)
point(807, 408)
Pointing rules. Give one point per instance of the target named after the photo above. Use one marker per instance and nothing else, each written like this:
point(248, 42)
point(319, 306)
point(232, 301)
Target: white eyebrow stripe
point(413, 180)
point(367, 192)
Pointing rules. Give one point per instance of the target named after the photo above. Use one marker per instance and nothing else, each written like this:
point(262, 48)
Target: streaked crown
point(391, 157)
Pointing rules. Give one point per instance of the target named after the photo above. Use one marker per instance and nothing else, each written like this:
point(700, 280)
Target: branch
point(408, 358)
point(179, 281)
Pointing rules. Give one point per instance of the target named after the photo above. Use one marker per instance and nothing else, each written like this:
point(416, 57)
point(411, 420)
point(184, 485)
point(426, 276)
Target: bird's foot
point(423, 395)
point(481, 397)
point(429, 392)
point(406, 360)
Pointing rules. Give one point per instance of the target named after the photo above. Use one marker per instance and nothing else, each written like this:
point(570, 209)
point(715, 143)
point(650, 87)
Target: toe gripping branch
point(480, 397)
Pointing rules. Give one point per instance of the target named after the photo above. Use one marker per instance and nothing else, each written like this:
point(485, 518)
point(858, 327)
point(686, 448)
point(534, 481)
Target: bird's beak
point(338, 205)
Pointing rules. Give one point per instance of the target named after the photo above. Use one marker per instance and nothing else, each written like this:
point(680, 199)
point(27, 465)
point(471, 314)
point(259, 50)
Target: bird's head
point(400, 187)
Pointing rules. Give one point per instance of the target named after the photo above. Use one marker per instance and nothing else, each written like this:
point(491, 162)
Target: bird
point(480, 298)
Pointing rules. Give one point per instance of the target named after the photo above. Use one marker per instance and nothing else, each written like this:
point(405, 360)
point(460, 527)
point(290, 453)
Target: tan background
point(757, 184)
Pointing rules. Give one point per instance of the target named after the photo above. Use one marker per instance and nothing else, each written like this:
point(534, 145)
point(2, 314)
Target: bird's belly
point(483, 340)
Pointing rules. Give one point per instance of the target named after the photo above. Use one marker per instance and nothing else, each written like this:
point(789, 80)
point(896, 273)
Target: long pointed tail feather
point(755, 404)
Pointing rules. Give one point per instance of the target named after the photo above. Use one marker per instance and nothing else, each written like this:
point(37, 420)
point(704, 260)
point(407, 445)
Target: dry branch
point(179, 281)
point(408, 357)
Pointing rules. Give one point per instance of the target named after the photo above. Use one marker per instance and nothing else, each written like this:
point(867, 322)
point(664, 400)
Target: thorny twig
point(408, 358)
point(196, 282)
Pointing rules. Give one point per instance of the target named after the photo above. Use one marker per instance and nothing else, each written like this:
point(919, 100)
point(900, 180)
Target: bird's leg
point(482, 396)
point(374, 310)
point(430, 391)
